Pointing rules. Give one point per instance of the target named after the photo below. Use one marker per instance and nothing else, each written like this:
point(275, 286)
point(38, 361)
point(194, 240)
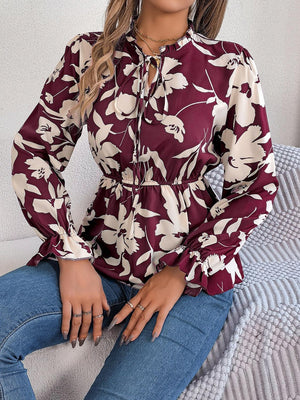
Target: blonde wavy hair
point(207, 19)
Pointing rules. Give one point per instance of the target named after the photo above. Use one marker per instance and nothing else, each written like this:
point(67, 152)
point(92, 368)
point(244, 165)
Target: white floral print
point(153, 206)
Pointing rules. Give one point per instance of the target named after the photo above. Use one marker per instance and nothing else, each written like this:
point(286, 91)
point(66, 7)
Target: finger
point(125, 310)
point(75, 324)
point(160, 320)
point(105, 304)
point(136, 315)
point(97, 322)
point(132, 322)
point(134, 329)
point(86, 323)
point(66, 318)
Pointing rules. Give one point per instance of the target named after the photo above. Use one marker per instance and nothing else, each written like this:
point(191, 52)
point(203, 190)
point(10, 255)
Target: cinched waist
point(129, 182)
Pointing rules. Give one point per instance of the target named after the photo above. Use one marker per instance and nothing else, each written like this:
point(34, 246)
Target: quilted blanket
point(256, 356)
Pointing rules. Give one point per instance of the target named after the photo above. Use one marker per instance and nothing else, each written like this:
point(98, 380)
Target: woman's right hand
point(81, 290)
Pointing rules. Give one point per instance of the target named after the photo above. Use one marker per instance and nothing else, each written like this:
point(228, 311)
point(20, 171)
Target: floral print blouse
point(153, 206)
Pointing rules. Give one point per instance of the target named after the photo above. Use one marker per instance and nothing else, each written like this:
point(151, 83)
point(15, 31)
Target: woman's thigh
point(31, 317)
point(145, 370)
point(31, 308)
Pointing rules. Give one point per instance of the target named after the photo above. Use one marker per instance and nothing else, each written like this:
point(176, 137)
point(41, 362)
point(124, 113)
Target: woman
point(164, 103)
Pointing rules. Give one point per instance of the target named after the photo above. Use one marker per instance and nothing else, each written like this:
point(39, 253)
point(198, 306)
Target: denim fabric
point(31, 316)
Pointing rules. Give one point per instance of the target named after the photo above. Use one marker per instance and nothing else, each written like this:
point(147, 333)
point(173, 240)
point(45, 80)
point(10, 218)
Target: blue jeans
point(31, 316)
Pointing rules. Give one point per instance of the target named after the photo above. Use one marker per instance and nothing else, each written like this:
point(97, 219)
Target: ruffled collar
point(182, 41)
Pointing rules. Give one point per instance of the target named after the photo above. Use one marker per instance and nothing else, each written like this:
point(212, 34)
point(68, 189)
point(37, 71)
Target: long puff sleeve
point(41, 151)
point(209, 253)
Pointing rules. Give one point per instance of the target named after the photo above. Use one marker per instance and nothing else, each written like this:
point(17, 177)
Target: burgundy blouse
point(153, 206)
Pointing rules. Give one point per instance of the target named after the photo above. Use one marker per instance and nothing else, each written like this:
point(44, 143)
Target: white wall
point(270, 30)
point(34, 34)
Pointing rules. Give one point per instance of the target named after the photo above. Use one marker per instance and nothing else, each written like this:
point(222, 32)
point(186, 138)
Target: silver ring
point(77, 315)
point(86, 312)
point(98, 316)
point(130, 304)
point(141, 307)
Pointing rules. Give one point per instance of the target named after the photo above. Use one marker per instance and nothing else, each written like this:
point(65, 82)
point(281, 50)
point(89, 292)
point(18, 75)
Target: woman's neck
point(159, 26)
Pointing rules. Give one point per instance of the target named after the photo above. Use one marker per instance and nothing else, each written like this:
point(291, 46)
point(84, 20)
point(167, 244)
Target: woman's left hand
point(159, 293)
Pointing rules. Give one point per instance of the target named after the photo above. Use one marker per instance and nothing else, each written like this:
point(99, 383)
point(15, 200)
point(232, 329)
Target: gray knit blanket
point(256, 356)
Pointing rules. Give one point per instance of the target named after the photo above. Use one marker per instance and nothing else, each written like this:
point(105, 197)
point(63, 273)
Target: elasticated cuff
point(71, 247)
point(187, 260)
point(212, 273)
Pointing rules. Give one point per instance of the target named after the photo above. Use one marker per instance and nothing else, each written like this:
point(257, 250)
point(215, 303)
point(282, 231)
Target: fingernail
point(154, 337)
point(112, 324)
point(81, 341)
point(123, 338)
point(129, 339)
point(108, 312)
point(97, 340)
point(73, 343)
point(65, 335)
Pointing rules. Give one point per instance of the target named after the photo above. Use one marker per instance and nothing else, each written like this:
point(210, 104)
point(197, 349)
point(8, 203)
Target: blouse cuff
point(71, 247)
point(187, 260)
